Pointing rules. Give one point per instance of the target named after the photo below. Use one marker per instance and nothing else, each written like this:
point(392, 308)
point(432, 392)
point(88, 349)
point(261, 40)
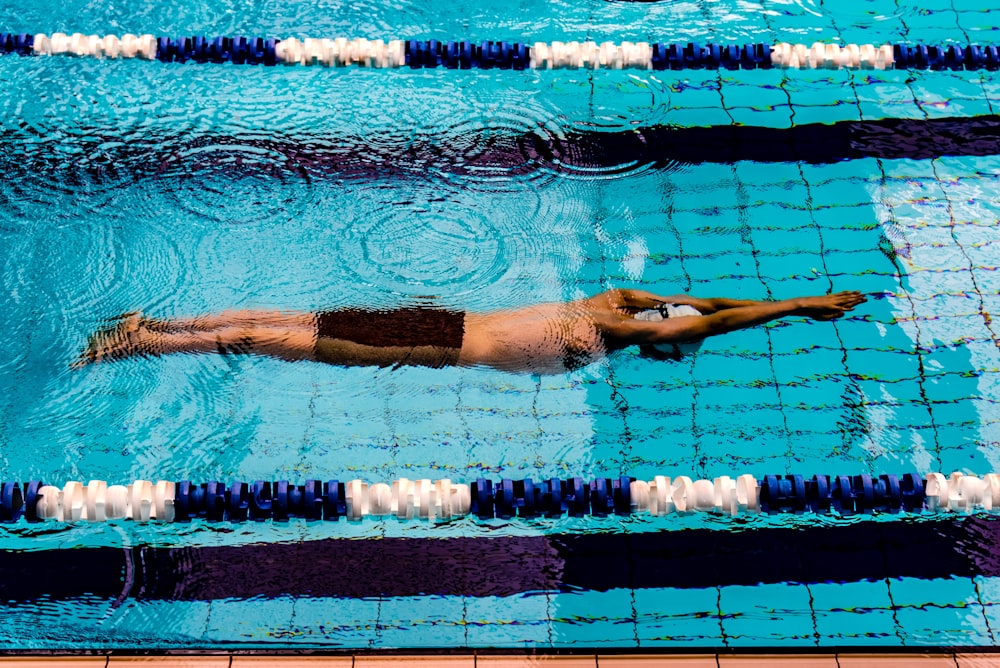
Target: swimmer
point(544, 338)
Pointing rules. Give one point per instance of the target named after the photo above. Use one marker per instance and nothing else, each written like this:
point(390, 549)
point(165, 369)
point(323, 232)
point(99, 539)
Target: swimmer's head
point(670, 350)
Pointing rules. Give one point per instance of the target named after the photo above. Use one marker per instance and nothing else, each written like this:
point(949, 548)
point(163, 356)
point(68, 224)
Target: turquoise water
point(181, 190)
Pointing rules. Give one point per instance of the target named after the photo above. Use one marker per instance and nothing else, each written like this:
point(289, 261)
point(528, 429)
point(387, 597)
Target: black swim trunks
point(405, 336)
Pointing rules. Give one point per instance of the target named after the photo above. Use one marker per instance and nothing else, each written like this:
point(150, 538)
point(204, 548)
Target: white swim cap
point(672, 311)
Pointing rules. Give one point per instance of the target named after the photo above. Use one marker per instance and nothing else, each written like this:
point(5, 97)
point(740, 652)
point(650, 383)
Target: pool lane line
point(962, 547)
point(506, 499)
point(500, 54)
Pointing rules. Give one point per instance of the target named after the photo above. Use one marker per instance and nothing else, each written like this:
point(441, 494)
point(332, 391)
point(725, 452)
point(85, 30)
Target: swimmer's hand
point(829, 307)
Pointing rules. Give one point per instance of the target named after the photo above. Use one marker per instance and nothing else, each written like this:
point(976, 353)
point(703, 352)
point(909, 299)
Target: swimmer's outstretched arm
point(641, 300)
point(710, 305)
point(688, 328)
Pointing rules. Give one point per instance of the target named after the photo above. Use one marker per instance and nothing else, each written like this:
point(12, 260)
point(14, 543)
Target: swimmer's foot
point(127, 337)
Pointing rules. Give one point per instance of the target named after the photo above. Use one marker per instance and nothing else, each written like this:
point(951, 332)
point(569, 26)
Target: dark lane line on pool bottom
point(506, 566)
point(96, 154)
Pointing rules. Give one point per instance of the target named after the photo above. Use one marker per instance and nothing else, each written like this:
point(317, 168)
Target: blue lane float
point(500, 54)
point(215, 501)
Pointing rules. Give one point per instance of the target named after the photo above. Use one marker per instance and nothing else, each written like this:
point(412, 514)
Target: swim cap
point(672, 311)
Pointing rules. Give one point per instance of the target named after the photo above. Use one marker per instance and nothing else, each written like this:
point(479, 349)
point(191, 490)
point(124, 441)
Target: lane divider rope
point(168, 501)
point(416, 54)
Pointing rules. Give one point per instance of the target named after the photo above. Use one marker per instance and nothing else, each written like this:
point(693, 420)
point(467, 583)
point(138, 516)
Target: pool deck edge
point(985, 658)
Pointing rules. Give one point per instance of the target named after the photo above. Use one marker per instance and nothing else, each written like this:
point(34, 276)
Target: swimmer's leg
point(287, 336)
point(233, 318)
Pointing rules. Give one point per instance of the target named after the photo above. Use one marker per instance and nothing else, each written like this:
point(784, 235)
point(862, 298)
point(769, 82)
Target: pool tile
point(967, 458)
point(55, 662)
point(486, 661)
point(766, 614)
point(885, 366)
point(859, 238)
point(952, 331)
point(179, 621)
point(937, 591)
point(933, 87)
point(798, 334)
point(816, 86)
point(768, 421)
point(887, 394)
point(266, 620)
point(878, 272)
point(930, 239)
point(973, 660)
point(654, 661)
point(697, 117)
point(690, 185)
point(793, 264)
point(775, 190)
point(828, 113)
point(963, 106)
point(941, 611)
point(169, 661)
point(669, 617)
point(778, 116)
point(992, 612)
point(849, 180)
point(295, 662)
point(983, 258)
point(508, 622)
point(848, 596)
point(438, 622)
point(896, 660)
point(397, 661)
point(778, 660)
point(890, 109)
point(849, 613)
point(975, 233)
point(353, 622)
point(875, 628)
point(736, 265)
point(701, 89)
point(593, 618)
point(989, 590)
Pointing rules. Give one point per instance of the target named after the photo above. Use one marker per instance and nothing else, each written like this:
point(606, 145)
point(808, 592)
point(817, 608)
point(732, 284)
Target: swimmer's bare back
point(553, 338)
point(545, 338)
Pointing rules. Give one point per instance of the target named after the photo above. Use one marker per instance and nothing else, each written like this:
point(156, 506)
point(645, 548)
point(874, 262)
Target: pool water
point(183, 189)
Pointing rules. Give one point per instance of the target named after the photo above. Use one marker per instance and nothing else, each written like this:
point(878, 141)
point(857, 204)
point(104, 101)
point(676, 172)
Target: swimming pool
point(181, 190)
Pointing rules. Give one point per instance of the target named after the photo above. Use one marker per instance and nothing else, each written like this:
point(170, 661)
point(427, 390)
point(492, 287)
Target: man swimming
point(545, 338)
